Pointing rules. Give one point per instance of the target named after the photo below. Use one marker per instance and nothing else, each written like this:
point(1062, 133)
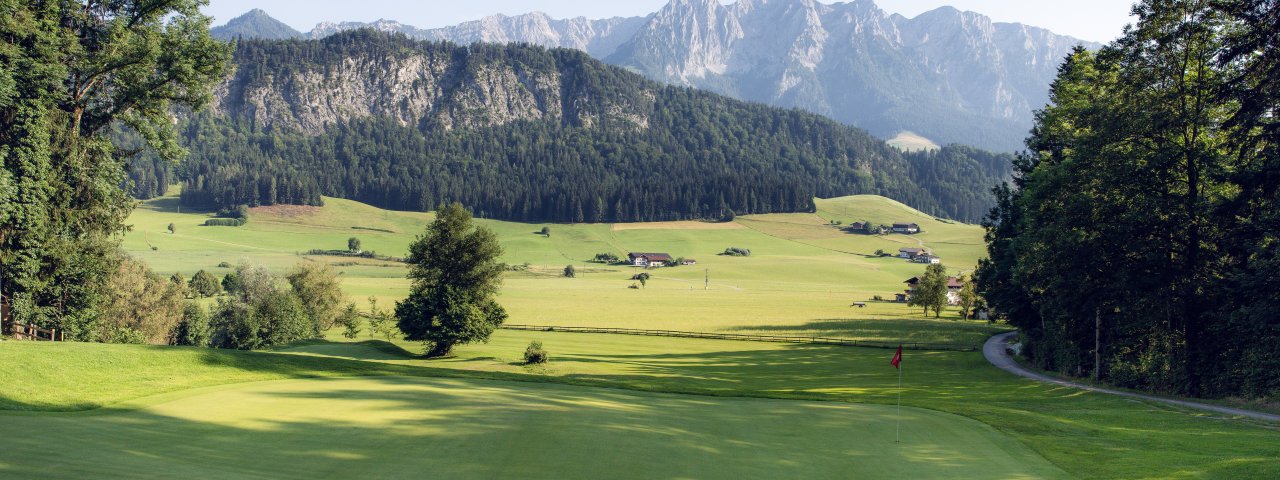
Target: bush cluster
point(225, 222)
point(535, 354)
point(737, 252)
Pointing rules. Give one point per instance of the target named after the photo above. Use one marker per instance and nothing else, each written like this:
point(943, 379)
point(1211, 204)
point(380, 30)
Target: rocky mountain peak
point(953, 76)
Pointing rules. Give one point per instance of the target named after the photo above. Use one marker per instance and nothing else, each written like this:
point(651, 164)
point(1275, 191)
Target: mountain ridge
point(952, 76)
point(521, 132)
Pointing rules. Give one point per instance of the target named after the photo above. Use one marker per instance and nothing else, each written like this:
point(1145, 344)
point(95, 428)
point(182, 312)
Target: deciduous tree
point(69, 72)
point(456, 274)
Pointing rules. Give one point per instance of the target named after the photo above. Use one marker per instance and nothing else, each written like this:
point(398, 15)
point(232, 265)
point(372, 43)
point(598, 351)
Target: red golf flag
point(897, 358)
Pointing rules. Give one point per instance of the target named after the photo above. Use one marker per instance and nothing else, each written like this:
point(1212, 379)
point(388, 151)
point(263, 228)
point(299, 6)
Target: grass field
point(801, 279)
point(321, 424)
point(606, 405)
point(911, 142)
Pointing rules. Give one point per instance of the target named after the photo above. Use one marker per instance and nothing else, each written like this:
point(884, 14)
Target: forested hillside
point(521, 132)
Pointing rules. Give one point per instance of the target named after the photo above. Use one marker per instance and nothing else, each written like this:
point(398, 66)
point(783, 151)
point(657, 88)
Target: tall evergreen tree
point(1141, 221)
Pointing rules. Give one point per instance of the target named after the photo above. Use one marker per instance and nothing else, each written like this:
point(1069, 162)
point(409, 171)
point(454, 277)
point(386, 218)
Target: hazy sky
point(1096, 20)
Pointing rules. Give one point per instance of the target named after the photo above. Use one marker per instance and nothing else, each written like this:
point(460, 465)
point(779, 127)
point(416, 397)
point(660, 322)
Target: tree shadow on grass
point(887, 330)
point(394, 427)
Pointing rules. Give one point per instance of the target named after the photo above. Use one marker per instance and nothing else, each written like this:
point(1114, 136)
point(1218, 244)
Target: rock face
point(951, 76)
point(439, 87)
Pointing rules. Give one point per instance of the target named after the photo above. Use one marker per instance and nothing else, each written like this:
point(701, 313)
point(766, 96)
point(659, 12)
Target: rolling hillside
point(801, 278)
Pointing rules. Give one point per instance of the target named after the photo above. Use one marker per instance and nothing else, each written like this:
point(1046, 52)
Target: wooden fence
point(844, 342)
point(32, 332)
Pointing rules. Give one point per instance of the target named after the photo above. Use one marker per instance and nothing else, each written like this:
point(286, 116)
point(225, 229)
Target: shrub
point(606, 258)
point(231, 283)
point(534, 353)
point(193, 330)
point(139, 306)
point(224, 222)
point(224, 265)
point(353, 245)
point(260, 313)
point(640, 276)
point(274, 318)
point(317, 286)
point(570, 272)
point(737, 252)
point(204, 284)
point(545, 231)
point(350, 321)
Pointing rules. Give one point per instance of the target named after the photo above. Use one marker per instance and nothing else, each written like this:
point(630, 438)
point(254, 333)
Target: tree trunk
point(1097, 343)
point(440, 349)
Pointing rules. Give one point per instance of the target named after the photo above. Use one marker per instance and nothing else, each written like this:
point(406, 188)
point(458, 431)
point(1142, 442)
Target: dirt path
point(996, 352)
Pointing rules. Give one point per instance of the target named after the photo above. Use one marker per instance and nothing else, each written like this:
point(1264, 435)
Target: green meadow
point(611, 406)
point(801, 279)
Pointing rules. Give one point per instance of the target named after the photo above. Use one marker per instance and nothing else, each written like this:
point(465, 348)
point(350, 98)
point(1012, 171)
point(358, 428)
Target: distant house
point(953, 290)
point(907, 228)
point(911, 253)
point(688, 261)
point(927, 258)
point(857, 226)
point(648, 259)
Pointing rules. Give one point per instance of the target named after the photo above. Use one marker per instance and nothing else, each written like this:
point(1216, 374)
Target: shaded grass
point(1088, 435)
point(399, 427)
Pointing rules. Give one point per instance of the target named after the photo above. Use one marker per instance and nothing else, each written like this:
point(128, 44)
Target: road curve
point(997, 353)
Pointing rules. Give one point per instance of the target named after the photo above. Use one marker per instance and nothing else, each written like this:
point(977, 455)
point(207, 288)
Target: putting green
point(394, 427)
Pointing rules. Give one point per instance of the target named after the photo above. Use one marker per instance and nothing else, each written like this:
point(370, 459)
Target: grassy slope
point(911, 142)
point(1087, 435)
point(801, 279)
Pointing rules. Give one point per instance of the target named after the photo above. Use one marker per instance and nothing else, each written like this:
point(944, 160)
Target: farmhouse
point(953, 290)
point(926, 257)
point(905, 228)
point(911, 253)
point(688, 261)
point(640, 259)
point(857, 226)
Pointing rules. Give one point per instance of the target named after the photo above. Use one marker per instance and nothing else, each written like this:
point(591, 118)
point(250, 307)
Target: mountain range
point(951, 76)
point(520, 132)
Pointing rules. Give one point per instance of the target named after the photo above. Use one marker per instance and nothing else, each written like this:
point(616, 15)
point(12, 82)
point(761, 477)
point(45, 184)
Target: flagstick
point(898, 429)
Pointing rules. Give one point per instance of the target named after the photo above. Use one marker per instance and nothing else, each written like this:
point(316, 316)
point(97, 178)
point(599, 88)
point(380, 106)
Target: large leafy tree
point(456, 274)
point(931, 290)
point(70, 71)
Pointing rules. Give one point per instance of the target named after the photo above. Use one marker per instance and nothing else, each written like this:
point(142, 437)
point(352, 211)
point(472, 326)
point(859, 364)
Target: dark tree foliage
point(1138, 242)
point(69, 71)
point(699, 156)
point(455, 272)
